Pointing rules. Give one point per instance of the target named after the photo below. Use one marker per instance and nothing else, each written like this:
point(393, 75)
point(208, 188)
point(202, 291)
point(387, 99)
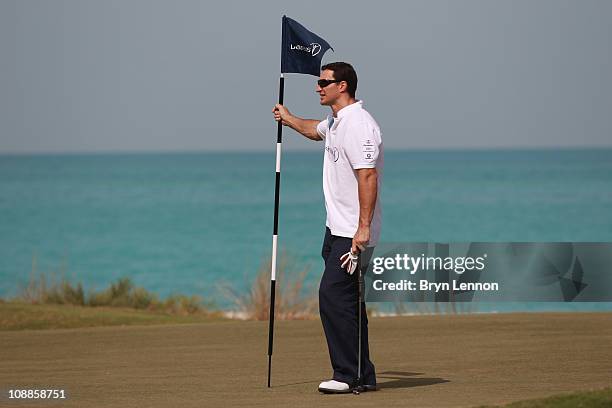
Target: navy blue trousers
point(338, 307)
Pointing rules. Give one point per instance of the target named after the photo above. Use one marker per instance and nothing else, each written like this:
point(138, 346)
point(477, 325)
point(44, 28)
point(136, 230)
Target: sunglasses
point(325, 82)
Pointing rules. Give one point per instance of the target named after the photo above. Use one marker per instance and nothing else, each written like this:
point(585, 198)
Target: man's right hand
point(307, 127)
point(281, 114)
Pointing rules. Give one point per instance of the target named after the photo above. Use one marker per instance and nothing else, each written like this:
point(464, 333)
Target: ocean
point(187, 222)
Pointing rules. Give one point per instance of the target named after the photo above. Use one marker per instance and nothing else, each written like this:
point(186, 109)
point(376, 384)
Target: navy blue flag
point(302, 50)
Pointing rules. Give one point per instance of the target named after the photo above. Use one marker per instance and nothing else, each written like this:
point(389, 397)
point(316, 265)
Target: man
point(352, 174)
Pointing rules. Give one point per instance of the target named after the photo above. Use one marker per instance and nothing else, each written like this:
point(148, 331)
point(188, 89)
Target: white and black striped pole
point(279, 141)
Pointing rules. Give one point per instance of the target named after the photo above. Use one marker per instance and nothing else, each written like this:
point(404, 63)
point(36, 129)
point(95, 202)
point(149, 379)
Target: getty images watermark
point(411, 265)
point(491, 272)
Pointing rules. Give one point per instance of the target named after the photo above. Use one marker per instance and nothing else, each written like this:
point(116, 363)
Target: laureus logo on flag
point(302, 50)
point(313, 48)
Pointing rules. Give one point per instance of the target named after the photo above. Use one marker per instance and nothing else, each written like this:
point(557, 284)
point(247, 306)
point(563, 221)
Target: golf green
point(421, 361)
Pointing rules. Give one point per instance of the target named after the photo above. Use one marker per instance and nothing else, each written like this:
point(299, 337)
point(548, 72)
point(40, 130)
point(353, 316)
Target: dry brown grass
point(290, 301)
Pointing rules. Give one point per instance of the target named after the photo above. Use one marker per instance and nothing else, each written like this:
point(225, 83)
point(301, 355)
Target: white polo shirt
point(352, 141)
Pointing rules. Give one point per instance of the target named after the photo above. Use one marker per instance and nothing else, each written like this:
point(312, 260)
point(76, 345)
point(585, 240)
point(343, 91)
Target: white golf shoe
point(334, 387)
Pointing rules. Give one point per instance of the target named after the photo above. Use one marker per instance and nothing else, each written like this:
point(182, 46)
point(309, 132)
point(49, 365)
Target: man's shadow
point(401, 379)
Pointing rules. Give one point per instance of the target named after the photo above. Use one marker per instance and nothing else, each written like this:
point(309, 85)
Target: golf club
point(358, 387)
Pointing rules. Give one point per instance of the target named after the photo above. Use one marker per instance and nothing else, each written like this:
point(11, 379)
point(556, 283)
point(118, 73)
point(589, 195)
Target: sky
point(150, 75)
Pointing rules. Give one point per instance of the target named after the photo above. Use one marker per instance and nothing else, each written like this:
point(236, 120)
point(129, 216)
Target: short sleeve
point(322, 128)
point(362, 145)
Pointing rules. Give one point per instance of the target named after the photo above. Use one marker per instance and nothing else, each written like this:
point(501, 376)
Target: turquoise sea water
point(180, 223)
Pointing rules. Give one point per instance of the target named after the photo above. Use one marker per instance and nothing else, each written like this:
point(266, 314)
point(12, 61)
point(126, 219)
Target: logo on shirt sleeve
point(368, 149)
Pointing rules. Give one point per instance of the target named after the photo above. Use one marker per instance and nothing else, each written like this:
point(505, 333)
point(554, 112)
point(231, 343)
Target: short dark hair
point(344, 71)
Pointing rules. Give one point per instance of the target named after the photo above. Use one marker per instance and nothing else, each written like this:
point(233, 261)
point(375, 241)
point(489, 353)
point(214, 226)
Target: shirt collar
point(349, 108)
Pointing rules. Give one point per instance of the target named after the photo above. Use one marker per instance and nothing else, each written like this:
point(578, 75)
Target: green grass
point(601, 398)
point(21, 316)
point(51, 302)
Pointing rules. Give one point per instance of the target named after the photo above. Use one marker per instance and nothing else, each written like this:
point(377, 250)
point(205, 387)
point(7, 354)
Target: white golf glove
point(349, 262)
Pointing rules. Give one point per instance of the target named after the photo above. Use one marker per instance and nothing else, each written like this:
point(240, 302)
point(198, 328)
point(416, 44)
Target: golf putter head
point(358, 390)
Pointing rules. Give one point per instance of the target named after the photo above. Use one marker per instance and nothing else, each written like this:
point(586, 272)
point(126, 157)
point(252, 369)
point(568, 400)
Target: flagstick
point(279, 141)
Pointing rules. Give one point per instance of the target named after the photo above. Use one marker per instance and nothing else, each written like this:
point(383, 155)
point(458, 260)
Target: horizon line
point(300, 150)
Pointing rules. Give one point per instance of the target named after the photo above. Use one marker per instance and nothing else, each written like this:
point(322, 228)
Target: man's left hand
point(361, 239)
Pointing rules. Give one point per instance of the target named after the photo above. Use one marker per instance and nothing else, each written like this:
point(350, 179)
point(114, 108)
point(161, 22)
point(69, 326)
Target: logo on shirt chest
point(333, 152)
